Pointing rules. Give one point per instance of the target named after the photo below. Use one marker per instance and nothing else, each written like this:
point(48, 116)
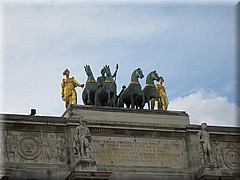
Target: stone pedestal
point(208, 173)
point(5, 173)
point(86, 168)
point(82, 175)
point(86, 164)
point(111, 115)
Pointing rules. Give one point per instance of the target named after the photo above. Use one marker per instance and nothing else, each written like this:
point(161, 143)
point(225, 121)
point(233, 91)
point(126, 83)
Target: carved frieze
point(29, 148)
point(34, 147)
point(227, 154)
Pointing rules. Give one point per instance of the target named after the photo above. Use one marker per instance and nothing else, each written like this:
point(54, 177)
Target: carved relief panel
point(227, 154)
point(34, 147)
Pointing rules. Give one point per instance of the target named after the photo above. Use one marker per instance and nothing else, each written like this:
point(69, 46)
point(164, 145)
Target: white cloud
point(207, 107)
point(40, 40)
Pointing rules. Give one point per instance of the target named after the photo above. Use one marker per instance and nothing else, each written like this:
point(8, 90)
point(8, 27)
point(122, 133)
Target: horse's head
point(88, 70)
point(138, 72)
point(107, 70)
point(154, 75)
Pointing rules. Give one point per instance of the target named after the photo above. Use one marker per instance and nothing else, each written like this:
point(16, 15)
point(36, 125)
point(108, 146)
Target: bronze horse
point(149, 91)
point(106, 95)
point(129, 95)
point(88, 95)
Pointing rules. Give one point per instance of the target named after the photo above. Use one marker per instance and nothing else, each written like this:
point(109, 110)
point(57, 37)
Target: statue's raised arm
point(115, 73)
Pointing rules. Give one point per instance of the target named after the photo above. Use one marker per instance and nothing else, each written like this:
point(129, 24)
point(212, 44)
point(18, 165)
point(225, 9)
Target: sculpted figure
point(161, 92)
point(204, 142)
point(82, 139)
point(106, 95)
point(101, 79)
point(219, 154)
point(11, 146)
point(46, 148)
point(69, 94)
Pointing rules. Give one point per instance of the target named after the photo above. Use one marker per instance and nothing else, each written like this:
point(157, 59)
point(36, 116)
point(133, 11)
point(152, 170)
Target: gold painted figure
point(161, 92)
point(69, 94)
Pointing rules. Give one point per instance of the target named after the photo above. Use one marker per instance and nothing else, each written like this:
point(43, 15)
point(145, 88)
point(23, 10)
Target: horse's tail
point(123, 88)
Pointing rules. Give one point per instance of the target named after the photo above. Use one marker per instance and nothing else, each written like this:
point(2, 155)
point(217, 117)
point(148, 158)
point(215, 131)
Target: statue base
point(76, 175)
point(86, 164)
point(86, 168)
point(208, 173)
point(104, 114)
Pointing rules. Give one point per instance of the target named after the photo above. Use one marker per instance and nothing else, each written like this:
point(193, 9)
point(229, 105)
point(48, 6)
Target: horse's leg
point(120, 102)
point(160, 104)
point(89, 99)
point(96, 99)
point(143, 101)
point(148, 101)
point(92, 97)
point(109, 97)
point(132, 100)
point(113, 99)
point(152, 103)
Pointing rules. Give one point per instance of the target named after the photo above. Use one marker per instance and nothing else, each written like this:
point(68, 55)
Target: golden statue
point(69, 94)
point(161, 92)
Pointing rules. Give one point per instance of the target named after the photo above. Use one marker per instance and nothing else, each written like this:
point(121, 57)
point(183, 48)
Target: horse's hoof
point(89, 102)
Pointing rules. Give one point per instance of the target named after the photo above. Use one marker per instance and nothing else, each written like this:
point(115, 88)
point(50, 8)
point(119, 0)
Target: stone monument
point(81, 146)
point(209, 167)
point(116, 143)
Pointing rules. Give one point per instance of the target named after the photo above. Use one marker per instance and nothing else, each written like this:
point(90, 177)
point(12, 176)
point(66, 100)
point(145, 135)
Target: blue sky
point(192, 45)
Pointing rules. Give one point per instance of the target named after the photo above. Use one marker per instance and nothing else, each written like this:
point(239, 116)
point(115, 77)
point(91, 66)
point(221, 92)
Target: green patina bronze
point(106, 95)
point(103, 92)
point(90, 89)
point(129, 95)
point(149, 91)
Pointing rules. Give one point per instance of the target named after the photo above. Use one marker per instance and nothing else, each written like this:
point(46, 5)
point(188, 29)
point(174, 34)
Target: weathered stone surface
point(86, 164)
point(210, 172)
point(76, 175)
point(149, 148)
point(119, 151)
point(108, 114)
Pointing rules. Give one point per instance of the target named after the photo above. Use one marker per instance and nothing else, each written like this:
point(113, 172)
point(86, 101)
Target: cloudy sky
point(192, 45)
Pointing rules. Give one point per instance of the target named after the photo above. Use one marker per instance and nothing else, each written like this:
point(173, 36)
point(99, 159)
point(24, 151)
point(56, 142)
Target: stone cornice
point(16, 118)
point(128, 110)
point(215, 129)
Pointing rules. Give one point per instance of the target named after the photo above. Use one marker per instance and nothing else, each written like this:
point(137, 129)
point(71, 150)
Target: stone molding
point(25, 138)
